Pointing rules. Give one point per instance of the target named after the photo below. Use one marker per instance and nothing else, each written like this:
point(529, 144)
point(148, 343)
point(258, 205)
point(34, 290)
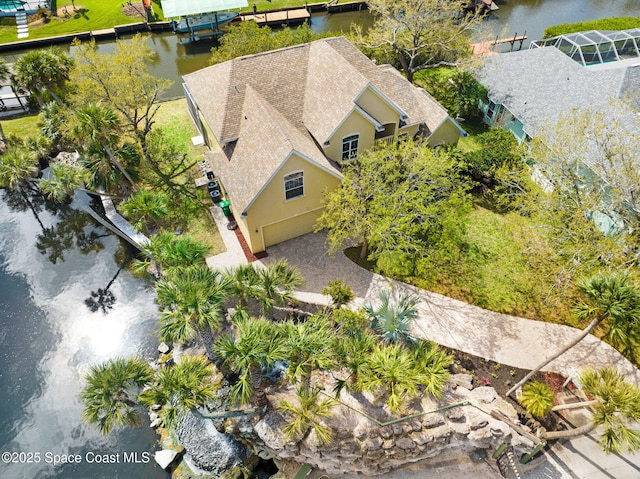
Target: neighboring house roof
point(313, 85)
point(539, 85)
point(266, 140)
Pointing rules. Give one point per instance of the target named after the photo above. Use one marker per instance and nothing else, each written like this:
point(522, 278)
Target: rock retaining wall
point(362, 446)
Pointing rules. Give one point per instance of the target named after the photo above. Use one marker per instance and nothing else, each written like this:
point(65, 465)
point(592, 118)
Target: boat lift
point(199, 15)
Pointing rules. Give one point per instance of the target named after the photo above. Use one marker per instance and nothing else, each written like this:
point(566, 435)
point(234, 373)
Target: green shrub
point(613, 23)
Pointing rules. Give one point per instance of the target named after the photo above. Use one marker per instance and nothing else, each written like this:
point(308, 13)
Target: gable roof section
point(313, 86)
point(219, 90)
point(538, 85)
point(266, 139)
point(331, 89)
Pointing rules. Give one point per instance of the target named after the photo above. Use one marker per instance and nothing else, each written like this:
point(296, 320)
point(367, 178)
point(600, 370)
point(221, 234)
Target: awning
point(182, 8)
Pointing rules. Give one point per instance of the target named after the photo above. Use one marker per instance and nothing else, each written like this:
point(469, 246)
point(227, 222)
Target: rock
point(208, 448)
point(405, 443)
point(476, 419)
point(432, 420)
point(455, 414)
point(484, 394)
point(157, 422)
point(372, 444)
point(397, 429)
point(462, 380)
point(505, 408)
point(499, 429)
point(388, 444)
point(386, 432)
point(165, 457)
point(269, 431)
point(163, 348)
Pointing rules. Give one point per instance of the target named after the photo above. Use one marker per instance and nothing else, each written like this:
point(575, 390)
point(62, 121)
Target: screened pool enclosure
point(596, 47)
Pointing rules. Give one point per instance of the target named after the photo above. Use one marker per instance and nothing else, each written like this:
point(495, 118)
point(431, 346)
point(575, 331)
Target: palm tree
point(393, 321)
point(146, 208)
point(167, 250)
point(352, 351)
point(609, 297)
point(244, 285)
point(193, 298)
point(537, 398)
point(276, 284)
point(17, 168)
point(617, 404)
point(43, 70)
point(179, 388)
point(110, 395)
point(258, 345)
point(100, 124)
point(64, 179)
point(306, 416)
point(433, 363)
point(305, 346)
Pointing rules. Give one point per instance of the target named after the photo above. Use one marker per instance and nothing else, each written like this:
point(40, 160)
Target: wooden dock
point(484, 49)
point(277, 18)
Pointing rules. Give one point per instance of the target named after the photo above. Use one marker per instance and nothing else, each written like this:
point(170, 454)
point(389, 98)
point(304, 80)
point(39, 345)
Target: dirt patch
point(134, 10)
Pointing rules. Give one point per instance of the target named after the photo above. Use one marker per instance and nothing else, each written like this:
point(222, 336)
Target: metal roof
point(183, 8)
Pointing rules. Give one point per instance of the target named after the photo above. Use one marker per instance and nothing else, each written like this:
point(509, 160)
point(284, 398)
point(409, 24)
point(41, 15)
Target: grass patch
point(613, 23)
point(88, 15)
point(178, 129)
point(22, 127)
point(473, 128)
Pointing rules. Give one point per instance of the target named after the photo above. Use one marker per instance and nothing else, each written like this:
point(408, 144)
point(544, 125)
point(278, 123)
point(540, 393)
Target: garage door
point(290, 228)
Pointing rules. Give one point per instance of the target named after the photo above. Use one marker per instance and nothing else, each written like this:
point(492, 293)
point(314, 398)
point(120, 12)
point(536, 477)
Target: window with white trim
point(294, 185)
point(350, 147)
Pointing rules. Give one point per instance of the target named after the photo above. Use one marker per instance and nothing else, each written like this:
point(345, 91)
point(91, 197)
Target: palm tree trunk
point(206, 336)
point(365, 247)
point(118, 165)
point(31, 207)
point(585, 332)
point(569, 433)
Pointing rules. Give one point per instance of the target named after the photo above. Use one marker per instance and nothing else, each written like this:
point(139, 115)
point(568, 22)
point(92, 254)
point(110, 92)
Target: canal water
point(50, 264)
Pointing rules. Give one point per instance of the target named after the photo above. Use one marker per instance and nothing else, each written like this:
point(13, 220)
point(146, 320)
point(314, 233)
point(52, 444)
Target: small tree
point(340, 292)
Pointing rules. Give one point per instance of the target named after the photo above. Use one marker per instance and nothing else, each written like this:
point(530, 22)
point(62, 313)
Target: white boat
point(196, 23)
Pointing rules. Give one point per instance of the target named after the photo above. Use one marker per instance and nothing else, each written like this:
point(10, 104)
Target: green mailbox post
point(224, 204)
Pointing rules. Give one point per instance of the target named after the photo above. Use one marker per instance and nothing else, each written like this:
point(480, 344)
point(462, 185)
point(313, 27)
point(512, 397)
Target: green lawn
point(98, 14)
point(22, 127)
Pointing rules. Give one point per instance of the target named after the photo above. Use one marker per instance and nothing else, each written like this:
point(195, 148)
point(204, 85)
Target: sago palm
point(352, 351)
point(307, 415)
point(110, 396)
point(179, 388)
point(393, 317)
point(146, 208)
point(276, 284)
point(537, 398)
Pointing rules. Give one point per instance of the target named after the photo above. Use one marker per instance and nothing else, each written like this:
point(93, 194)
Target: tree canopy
point(403, 202)
point(419, 34)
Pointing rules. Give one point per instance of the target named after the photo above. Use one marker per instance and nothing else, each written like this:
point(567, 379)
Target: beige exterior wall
point(273, 218)
point(355, 123)
point(409, 130)
point(446, 133)
point(375, 106)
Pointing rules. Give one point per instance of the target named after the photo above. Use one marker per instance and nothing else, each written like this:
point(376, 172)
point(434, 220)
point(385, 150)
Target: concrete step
point(21, 23)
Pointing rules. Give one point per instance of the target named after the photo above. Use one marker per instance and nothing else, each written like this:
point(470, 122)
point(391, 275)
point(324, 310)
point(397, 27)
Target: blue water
point(49, 339)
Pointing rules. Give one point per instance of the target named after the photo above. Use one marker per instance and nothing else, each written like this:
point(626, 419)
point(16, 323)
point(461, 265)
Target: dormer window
point(350, 147)
point(294, 185)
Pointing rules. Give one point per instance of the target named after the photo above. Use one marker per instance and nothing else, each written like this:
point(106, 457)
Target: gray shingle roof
point(312, 85)
point(266, 139)
point(267, 105)
point(539, 85)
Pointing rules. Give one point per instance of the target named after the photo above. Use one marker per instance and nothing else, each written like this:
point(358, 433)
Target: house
point(281, 124)
point(532, 88)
